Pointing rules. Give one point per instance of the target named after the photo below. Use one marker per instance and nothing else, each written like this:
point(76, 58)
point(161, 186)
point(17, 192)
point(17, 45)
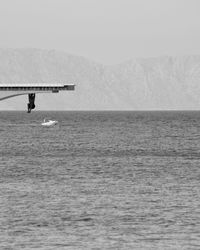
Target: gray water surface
point(100, 180)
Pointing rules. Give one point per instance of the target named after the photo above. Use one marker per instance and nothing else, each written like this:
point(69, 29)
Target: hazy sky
point(107, 31)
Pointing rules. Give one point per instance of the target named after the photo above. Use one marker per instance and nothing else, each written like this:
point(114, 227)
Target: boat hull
point(49, 123)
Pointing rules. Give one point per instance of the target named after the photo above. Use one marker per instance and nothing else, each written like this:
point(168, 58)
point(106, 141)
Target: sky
point(105, 31)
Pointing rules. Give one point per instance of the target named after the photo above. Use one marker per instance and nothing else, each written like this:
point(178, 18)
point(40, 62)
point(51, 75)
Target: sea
point(100, 180)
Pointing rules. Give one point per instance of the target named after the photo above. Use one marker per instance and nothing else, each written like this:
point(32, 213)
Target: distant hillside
point(140, 84)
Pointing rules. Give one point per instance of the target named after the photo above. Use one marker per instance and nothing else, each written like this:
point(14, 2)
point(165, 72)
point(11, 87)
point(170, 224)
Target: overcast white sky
point(107, 31)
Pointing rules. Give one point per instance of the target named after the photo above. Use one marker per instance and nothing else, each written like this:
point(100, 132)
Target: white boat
point(49, 123)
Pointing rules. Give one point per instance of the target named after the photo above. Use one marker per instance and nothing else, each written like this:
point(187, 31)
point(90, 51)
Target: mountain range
point(162, 83)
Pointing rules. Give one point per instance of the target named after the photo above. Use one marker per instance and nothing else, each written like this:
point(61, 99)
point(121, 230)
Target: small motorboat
point(49, 123)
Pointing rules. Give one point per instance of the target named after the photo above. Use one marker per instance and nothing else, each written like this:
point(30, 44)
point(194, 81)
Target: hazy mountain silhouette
point(140, 84)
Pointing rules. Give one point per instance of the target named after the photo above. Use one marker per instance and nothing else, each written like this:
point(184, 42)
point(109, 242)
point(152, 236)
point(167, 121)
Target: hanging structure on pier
point(8, 90)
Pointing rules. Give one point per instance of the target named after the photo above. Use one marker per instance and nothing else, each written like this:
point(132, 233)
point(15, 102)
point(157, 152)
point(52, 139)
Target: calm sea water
point(100, 180)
